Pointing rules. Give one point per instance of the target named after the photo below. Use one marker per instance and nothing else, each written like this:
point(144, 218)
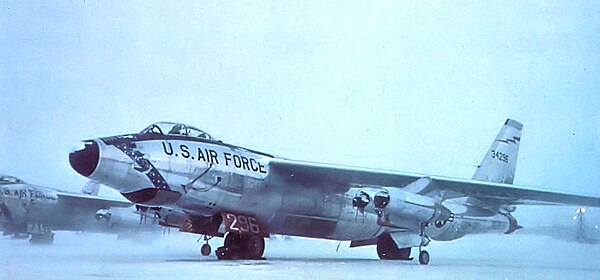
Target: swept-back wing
point(92, 201)
point(341, 178)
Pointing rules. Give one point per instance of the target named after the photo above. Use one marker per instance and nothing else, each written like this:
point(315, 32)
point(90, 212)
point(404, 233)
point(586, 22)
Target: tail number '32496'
point(240, 223)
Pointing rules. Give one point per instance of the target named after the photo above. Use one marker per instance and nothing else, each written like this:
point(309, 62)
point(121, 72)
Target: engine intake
point(361, 200)
point(381, 199)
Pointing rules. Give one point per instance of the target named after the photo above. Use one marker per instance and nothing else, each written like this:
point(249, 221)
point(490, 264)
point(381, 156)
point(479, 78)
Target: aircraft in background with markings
point(32, 211)
point(244, 195)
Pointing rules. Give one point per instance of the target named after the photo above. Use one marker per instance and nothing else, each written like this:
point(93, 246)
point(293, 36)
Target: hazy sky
point(420, 87)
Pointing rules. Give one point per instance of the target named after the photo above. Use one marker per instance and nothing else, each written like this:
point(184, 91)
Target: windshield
point(169, 128)
point(5, 180)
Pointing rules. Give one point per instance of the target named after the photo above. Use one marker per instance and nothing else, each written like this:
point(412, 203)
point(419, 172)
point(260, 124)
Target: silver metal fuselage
point(205, 178)
point(215, 177)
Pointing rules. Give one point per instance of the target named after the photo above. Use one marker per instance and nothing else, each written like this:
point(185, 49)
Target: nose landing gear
point(205, 248)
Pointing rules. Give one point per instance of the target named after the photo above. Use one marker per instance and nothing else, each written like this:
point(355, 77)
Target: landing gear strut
point(424, 255)
point(238, 246)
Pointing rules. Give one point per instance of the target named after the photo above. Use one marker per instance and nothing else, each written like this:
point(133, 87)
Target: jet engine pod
point(402, 209)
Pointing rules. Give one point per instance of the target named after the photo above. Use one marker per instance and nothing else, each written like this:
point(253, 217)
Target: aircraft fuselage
point(208, 178)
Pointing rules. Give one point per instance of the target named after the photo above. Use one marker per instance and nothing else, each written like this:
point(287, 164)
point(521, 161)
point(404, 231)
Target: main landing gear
point(388, 250)
point(40, 234)
point(245, 247)
point(44, 239)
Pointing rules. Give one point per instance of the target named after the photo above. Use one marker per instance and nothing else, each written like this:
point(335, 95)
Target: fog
point(403, 86)
point(408, 86)
point(175, 256)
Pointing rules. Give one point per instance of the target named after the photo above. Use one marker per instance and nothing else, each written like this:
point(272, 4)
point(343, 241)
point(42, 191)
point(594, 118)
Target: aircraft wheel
point(205, 250)
point(233, 241)
point(255, 247)
point(222, 253)
point(387, 248)
point(232, 247)
point(423, 257)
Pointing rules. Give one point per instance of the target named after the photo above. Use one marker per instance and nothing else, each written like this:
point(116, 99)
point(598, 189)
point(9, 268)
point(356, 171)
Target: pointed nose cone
point(85, 159)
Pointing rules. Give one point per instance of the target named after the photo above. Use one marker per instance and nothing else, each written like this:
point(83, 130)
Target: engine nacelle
point(398, 208)
point(463, 225)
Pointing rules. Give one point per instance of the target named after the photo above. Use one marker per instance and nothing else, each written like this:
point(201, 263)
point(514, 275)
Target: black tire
point(232, 240)
point(423, 257)
point(387, 248)
point(254, 247)
point(241, 247)
point(222, 253)
point(205, 250)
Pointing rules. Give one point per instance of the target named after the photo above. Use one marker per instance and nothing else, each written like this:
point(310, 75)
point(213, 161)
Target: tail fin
point(498, 165)
point(91, 188)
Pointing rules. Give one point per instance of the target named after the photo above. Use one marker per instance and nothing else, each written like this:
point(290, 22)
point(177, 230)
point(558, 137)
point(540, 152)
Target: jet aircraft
point(28, 210)
point(587, 230)
point(582, 227)
point(245, 195)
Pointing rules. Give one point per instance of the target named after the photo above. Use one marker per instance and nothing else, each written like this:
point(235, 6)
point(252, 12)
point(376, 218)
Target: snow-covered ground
point(176, 256)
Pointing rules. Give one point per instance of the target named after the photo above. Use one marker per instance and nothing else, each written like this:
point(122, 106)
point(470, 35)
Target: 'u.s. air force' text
point(211, 156)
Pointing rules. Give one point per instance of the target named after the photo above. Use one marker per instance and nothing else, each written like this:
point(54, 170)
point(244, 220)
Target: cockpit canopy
point(6, 180)
point(169, 128)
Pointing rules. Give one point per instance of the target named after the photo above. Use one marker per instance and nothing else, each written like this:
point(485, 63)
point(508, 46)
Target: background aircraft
point(28, 210)
point(245, 195)
point(587, 228)
point(582, 225)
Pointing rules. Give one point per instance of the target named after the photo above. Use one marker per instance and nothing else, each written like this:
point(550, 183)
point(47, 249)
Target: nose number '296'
point(240, 223)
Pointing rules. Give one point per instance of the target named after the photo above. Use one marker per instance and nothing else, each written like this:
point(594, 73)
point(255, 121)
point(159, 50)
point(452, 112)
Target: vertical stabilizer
point(499, 163)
